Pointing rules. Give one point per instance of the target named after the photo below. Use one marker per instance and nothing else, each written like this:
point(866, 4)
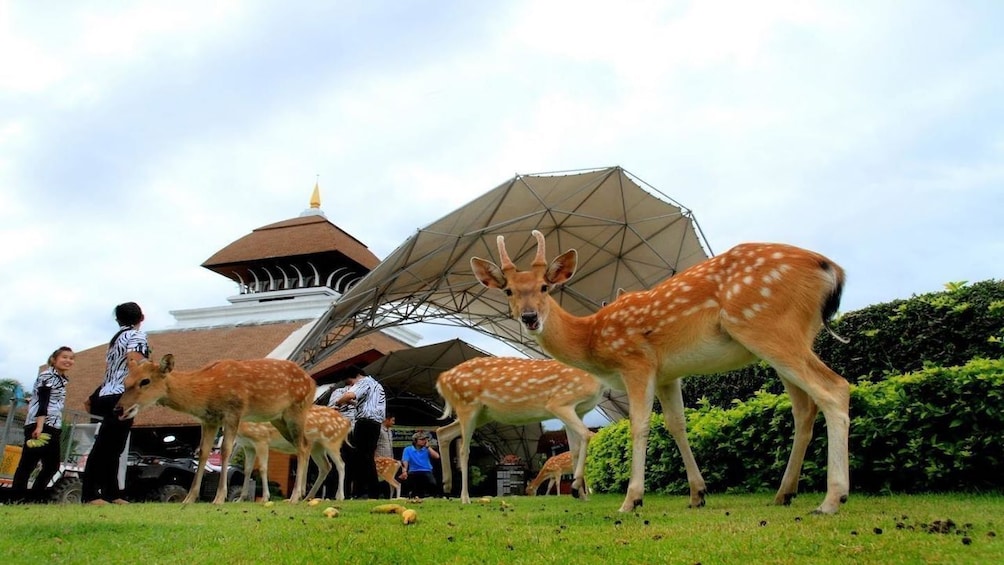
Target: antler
point(540, 260)
point(506, 262)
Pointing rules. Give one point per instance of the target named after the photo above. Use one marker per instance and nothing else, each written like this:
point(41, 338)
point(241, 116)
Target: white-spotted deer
point(553, 469)
point(514, 391)
point(387, 471)
point(325, 430)
point(764, 301)
point(222, 394)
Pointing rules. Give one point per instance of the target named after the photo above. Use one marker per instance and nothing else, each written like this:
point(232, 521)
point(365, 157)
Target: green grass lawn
point(741, 529)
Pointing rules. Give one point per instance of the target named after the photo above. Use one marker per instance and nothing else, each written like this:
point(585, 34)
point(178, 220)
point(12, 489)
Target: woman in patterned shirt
point(101, 474)
point(45, 416)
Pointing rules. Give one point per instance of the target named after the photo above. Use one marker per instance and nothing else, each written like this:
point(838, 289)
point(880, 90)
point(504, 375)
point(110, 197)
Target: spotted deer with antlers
point(325, 429)
point(221, 395)
point(514, 391)
point(757, 300)
point(553, 469)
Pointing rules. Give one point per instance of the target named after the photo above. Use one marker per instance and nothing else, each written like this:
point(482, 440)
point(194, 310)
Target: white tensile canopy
point(627, 234)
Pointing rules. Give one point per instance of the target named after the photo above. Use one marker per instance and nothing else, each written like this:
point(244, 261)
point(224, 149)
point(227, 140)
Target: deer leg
point(292, 430)
point(318, 456)
point(804, 411)
point(336, 453)
point(206, 444)
point(229, 435)
point(465, 454)
point(831, 394)
point(578, 440)
point(671, 398)
point(640, 400)
point(262, 457)
point(446, 434)
point(249, 458)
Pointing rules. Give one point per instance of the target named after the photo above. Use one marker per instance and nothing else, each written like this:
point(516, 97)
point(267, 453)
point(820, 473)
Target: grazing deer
point(387, 471)
point(553, 469)
point(757, 300)
point(222, 394)
point(514, 391)
point(325, 430)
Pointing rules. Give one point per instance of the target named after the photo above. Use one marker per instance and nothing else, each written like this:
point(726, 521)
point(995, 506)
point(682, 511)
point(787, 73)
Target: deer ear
point(488, 273)
point(167, 363)
point(562, 267)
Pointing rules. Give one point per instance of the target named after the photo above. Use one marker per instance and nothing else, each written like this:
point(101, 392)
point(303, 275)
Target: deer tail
point(832, 302)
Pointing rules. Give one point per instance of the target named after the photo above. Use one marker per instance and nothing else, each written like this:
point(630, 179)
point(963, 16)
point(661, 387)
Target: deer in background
point(514, 391)
point(553, 469)
point(387, 471)
point(757, 300)
point(222, 394)
point(325, 429)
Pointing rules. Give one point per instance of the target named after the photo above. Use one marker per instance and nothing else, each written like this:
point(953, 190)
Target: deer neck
point(180, 394)
point(566, 337)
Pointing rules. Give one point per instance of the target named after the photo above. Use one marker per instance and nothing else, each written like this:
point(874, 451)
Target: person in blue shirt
point(416, 464)
point(45, 416)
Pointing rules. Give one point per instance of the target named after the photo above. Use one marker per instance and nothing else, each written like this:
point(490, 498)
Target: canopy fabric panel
point(627, 235)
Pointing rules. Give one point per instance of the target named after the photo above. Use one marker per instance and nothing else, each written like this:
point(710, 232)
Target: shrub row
point(938, 429)
point(942, 328)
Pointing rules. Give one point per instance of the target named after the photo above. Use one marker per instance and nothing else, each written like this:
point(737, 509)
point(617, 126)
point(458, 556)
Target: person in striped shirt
point(101, 474)
point(371, 408)
point(45, 416)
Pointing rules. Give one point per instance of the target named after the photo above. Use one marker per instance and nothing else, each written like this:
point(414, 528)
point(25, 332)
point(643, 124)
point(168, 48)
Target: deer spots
point(765, 292)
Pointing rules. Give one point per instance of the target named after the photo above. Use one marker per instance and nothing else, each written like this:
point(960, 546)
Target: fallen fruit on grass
point(388, 509)
point(409, 516)
point(331, 512)
point(313, 502)
point(269, 504)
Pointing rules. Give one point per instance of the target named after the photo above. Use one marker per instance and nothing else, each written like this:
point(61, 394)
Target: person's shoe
point(120, 501)
point(98, 502)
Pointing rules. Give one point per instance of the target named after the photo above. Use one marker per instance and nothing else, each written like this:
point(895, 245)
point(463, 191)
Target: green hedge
point(941, 328)
point(938, 429)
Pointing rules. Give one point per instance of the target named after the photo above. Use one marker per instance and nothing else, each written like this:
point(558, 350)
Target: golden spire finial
point(315, 198)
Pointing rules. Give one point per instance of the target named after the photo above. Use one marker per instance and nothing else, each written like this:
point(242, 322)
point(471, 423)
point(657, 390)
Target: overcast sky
point(138, 138)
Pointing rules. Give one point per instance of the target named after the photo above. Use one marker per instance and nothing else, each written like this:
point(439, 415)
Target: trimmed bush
point(938, 429)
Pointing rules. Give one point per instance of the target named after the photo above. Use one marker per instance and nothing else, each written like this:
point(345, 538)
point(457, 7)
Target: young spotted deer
point(514, 391)
point(553, 469)
point(387, 471)
point(222, 394)
point(325, 430)
point(757, 300)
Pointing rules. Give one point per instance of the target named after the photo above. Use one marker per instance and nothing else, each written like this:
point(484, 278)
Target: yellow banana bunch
point(43, 438)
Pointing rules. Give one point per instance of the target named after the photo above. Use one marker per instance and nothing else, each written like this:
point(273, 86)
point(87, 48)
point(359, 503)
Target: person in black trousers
point(371, 408)
point(101, 482)
point(45, 416)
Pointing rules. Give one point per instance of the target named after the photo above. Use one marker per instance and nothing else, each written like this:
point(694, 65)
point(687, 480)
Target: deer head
point(529, 301)
point(145, 385)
